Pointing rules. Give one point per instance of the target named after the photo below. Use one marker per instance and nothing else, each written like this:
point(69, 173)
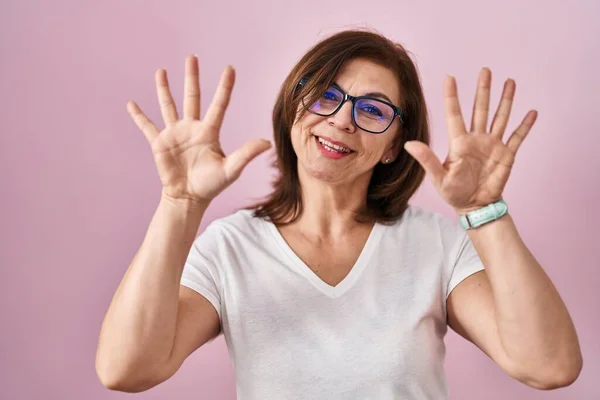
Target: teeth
point(333, 147)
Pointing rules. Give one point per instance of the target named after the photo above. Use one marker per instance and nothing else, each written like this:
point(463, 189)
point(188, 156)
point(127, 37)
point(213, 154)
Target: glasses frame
point(397, 110)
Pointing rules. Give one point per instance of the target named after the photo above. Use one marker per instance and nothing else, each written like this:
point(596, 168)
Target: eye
point(371, 109)
point(330, 95)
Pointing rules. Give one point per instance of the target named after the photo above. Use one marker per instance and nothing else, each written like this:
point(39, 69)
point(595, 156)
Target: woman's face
point(313, 135)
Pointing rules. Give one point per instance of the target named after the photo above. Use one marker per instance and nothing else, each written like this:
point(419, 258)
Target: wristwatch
point(482, 216)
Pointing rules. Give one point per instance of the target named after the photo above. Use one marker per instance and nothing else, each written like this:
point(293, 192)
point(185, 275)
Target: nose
point(342, 119)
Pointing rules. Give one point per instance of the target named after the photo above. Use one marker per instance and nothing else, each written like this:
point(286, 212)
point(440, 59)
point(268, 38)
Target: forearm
point(138, 330)
point(534, 325)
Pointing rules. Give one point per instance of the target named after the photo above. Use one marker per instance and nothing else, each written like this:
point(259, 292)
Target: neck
point(330, 210)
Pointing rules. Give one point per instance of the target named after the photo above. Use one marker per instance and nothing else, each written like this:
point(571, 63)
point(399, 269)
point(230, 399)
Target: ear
point(394, 149)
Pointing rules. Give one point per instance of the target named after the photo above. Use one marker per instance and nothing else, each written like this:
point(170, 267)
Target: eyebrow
point(370, 94)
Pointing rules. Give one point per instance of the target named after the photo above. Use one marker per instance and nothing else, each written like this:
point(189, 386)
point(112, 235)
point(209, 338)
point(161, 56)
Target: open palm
point(188, 155)
point(478, 163)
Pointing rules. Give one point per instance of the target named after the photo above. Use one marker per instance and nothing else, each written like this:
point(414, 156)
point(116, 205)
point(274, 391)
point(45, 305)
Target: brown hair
point(391, 185)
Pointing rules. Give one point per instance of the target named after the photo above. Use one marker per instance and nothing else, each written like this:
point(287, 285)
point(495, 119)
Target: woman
point(334, 287)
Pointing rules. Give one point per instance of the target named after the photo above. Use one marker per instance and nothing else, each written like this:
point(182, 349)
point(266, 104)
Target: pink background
point(79, 185)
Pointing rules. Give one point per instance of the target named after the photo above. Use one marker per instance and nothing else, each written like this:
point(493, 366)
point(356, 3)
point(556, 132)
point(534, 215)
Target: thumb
point(428, 160)
point(237, 161)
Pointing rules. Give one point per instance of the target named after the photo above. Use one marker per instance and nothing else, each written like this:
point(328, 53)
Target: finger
point(191, 88)
point(454, 119)
point(481, 106)
point(503, 113)
point(237, 161)
point(140, 119)
point(519, 135)
point(428, 160)
point(168, 109)
point(216, 111)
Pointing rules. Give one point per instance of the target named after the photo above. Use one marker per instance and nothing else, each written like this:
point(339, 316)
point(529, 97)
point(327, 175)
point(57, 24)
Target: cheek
point(298, 136)
point(301, 130)
point(297, 132)
point(374, 146)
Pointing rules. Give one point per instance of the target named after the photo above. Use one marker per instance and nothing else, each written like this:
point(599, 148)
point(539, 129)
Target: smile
point(333, 147)
point(332, 150)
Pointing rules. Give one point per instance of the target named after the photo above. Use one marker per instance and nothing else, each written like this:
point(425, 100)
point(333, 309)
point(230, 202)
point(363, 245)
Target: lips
point(340, 146)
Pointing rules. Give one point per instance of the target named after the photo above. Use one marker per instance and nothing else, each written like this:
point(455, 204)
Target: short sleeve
point(201, 271)
point(466, 263)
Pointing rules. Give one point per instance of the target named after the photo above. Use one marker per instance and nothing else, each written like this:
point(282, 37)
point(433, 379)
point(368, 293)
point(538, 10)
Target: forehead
point(360, 76)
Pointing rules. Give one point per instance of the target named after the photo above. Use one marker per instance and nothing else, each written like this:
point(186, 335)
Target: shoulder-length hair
point(391, 185)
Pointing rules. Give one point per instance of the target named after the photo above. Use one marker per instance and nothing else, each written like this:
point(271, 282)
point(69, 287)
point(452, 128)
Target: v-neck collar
point(349, 280)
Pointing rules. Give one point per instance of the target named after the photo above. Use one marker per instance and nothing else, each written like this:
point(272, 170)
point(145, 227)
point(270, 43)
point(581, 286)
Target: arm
point(513, 312)
point(153, 323)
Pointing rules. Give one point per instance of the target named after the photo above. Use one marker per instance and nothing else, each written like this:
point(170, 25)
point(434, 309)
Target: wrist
point(187, 204)
point(465, 210)
point(478, 216)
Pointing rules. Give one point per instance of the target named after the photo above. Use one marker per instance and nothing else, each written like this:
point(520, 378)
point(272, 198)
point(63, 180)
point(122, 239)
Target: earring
point(387, 160)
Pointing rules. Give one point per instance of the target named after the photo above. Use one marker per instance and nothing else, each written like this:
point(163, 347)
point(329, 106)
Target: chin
point(325, 175)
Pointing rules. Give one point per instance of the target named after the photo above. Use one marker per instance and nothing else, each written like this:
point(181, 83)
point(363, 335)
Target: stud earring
point(387, 160)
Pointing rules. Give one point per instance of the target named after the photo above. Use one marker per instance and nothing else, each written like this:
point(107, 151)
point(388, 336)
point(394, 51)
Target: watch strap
point(491, 212)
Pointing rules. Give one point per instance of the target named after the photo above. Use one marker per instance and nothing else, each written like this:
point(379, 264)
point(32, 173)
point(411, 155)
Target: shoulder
point(427, 230)
point(239, 223)
point(226, 236)
point(419, 218)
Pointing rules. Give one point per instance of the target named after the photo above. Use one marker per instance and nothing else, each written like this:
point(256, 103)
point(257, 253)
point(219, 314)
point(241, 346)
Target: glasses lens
point(327, 103)
point(370, 114)
point(373, 115)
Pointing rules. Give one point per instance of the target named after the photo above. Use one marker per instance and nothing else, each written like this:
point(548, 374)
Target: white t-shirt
point(378, 334)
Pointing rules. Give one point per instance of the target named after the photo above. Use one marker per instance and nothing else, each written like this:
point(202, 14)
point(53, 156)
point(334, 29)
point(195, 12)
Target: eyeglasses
point(370, 114)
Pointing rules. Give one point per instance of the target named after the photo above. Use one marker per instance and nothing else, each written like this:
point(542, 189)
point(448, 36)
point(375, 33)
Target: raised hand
point(478, 163)
point(189, 158)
